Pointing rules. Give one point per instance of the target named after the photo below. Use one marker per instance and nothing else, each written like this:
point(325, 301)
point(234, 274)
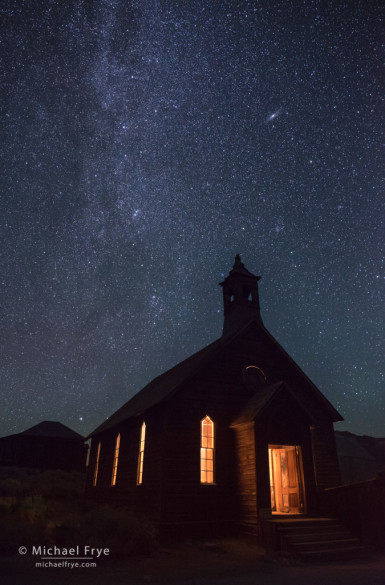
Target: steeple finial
point(239, 267)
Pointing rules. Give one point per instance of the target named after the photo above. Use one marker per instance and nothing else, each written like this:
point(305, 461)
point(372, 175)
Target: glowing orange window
point(139, 475)
point(207, 450)
point(96, 466)
point(116, 459)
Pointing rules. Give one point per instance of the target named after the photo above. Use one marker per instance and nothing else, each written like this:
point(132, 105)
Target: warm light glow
point(286, 479)
point(207, 450)
point(96, 466)
point(139, 475)
point(115, 462)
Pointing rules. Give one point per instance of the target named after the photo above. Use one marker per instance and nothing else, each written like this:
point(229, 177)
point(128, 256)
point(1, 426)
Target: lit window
point(115, 462)
point(139, 475)
point(96, 465)
point(207, 450)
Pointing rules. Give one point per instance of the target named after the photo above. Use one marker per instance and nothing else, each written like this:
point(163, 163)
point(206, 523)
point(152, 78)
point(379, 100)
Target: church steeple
point(240, 297)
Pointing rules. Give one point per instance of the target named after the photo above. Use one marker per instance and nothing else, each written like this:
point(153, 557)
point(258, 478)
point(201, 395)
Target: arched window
point(207, 450)
point(96, 466)
point(115, 461)
point(139, 475)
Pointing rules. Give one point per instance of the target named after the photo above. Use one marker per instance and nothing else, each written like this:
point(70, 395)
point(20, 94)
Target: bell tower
point(240, 297)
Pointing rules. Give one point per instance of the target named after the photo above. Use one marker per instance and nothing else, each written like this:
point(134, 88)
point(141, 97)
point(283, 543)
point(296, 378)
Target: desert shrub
point(120, 531)
point(66, 533)
point(11, 487)
point(32, 508)
point(22, 518)
point(54, 483)
point(6, 506)
point(59, 484)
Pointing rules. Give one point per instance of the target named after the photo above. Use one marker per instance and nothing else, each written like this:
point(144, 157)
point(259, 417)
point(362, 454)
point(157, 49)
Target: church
point(232, 436)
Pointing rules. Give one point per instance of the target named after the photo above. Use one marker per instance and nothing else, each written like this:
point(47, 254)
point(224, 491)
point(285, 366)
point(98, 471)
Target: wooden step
point(317, 536)
point(326, 544)
point(318, 539)
point(322, 528)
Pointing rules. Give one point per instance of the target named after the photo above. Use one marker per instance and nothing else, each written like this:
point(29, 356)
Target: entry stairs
point(317, 539)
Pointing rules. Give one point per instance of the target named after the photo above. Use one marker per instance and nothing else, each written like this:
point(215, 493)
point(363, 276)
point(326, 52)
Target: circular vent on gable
point(253, 377)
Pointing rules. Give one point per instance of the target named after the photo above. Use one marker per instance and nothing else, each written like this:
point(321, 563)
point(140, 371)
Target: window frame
point(142, 444)
point(96, 469)
point(207, 450)
point(115, 461)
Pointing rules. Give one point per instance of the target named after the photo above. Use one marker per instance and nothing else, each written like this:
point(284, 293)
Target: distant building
point(233, 435)
point(47, 445)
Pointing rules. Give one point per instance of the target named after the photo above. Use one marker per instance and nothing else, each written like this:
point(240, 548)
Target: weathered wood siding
point(327, 472)
point(144, 498)
point(361, 507)
point(246, 477)
point(184, 498)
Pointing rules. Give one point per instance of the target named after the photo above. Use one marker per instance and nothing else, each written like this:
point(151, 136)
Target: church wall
point(185, 499)
point(257, 344)
point(144, 498)
point(327, 472)
point(246, 486)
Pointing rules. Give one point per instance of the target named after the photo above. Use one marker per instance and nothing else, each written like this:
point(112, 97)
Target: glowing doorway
point(286, 479)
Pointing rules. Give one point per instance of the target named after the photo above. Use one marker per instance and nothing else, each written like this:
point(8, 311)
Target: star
point(145, 145)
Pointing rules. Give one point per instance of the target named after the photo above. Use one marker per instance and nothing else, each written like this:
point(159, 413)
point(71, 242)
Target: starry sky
point(144, 144)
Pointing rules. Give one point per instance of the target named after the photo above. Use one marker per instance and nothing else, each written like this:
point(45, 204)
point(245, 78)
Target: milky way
point(145, 144)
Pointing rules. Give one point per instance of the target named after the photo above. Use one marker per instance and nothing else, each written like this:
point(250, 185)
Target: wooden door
point(286, 479)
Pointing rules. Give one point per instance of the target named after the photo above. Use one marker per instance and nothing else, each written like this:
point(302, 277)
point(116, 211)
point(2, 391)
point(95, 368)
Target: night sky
point(144, 144)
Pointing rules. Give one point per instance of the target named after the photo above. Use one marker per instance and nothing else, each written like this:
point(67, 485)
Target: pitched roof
point(49, 428)
point(257, 403)
point(162, 387)
point(261, 399)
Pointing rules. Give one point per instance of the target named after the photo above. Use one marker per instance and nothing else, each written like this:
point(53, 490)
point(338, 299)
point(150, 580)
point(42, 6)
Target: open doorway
point(286, 479)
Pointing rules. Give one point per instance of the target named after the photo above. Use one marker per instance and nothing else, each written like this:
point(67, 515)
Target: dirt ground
point(227, 562)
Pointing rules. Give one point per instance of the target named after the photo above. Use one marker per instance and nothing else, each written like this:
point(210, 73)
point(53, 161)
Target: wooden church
point(232, 436)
